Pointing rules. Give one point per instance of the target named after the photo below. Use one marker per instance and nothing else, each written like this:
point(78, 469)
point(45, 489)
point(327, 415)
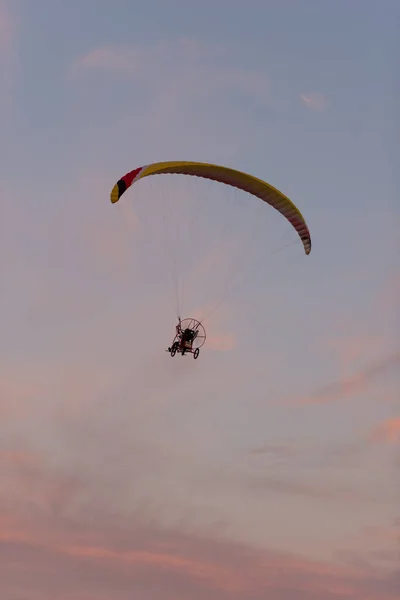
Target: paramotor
point(190, 336)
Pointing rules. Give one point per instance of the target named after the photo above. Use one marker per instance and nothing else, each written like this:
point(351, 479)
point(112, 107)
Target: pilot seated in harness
point(187, 338)
point(184, 338)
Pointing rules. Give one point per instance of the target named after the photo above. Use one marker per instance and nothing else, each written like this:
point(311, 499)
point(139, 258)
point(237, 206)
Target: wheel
point(173, 350)
point(196, 353)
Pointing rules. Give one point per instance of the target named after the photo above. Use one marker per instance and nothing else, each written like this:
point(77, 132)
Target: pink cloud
point(354, 384)
point(222, 341)
point(388, 297)
point(190, 74)
point(315, 101)
point(389, 431)
point(111, 59)
point(195, 70)
point(352, 349)
point(23, 385)
point(64, 527)
point(378, 534)
point(130, 60)
point(106, 557)
point(17, 458)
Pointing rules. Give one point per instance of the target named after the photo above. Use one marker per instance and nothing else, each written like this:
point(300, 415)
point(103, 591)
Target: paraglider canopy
point(231, 177)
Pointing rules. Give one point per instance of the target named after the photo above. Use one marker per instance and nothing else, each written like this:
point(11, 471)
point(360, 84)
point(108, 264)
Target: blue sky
point(280, 442)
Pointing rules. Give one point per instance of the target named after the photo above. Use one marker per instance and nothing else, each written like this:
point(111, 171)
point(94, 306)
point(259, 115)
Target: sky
point(269, 467)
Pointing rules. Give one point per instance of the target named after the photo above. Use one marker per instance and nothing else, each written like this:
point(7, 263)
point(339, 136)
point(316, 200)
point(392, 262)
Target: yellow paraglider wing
point(237, 179)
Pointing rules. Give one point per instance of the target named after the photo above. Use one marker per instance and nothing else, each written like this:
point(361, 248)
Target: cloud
point(106, 492)
point(16, 458)
point(388, 298)
point(353, 350)
point(109, 58)
point(180, 85)
point(310, 455)
point(314, 101)
point(222, 341)
point(389, 431)
point(205, 67)
point(379, 534)
point(303, 486)
point(353, 385)
point(274, 450)
point(377, 544)
point(102, 555)
point(197, 69)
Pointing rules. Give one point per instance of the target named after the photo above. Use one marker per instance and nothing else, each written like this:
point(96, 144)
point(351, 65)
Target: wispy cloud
point(314, 101)
point(184, 85)
point(200, 68)
point(108, 58)
point(353, 385)
point(106, 555)
point(310, 455)
point(222, 341)
point(389, 431)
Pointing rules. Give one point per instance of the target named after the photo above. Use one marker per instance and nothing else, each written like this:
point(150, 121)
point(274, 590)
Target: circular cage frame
point(190, 323)
point(197, 343)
